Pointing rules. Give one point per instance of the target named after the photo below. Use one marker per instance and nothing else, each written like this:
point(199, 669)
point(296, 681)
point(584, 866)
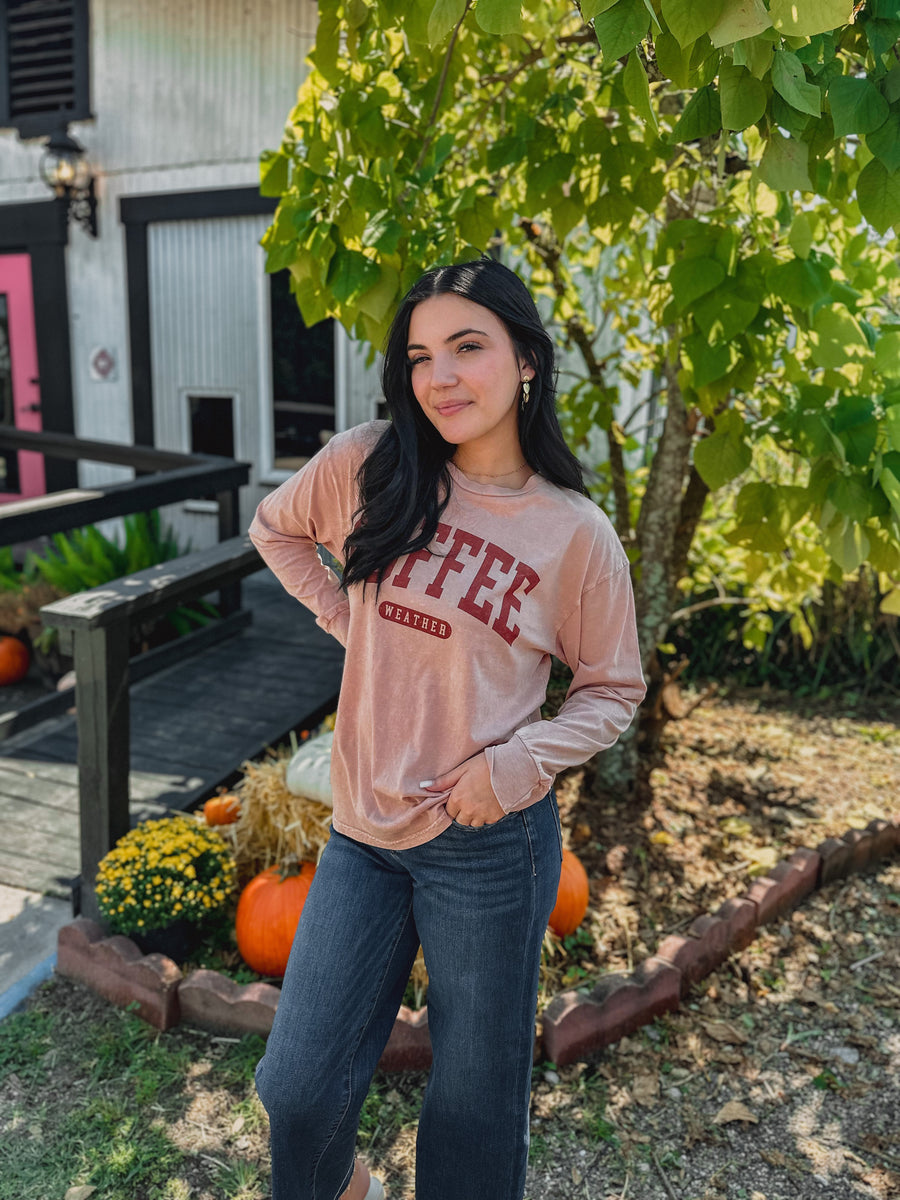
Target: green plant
point(86, 558)
point(165, 871)
point(9, 572)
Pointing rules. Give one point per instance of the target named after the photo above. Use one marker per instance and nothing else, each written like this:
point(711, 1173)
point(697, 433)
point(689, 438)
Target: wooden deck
point(192, 725)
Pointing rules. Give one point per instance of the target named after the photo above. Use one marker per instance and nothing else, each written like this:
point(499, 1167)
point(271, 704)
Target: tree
point(705, 188)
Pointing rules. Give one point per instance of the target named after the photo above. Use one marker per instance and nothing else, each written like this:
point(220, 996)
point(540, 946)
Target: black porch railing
point(94, 626)
point(166, 478)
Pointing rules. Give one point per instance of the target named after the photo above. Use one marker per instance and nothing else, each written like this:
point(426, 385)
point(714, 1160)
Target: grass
point(92, 1096)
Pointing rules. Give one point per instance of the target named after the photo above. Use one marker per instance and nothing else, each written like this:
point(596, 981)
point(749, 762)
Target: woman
point(472, 554)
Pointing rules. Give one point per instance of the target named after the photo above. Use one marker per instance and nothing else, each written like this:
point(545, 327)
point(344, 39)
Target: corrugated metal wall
point(208, 81)
point(211, 335)
point(205, 338)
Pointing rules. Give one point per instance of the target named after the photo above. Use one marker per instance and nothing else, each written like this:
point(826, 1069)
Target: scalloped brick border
point(573, 1025)
point(576, 1023)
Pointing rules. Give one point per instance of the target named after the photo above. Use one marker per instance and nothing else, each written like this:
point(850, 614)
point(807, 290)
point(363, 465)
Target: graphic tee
point(454, 656)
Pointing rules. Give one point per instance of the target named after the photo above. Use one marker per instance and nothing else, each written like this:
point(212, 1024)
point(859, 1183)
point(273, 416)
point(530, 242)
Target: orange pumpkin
point(14, 660)
point(571, 898)
point(222, 810)
point(267, 914)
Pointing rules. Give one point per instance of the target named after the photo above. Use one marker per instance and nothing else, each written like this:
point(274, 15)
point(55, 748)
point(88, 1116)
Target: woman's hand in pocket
point(471, 800)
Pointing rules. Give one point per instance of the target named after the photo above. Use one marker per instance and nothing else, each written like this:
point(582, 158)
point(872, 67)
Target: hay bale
point(274, 826)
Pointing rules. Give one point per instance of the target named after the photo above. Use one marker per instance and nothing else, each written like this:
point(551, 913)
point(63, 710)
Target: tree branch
point(435, 108)
point(688, 519)
point(681, 613)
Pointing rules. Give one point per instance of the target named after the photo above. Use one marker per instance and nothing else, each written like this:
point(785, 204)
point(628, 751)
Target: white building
point(163, 329)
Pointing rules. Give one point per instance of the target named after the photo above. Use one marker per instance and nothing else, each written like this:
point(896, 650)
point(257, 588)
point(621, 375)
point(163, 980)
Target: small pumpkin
point(572, 896)
point(267, 914)
point(222, 810)
point(14, 660)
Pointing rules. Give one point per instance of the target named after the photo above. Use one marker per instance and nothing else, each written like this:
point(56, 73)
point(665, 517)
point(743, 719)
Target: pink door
point(21, 472)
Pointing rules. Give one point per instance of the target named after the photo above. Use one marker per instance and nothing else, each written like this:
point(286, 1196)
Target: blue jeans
point(479, 900)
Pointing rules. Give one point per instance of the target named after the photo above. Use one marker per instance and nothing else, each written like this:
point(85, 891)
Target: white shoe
point(375, 1190)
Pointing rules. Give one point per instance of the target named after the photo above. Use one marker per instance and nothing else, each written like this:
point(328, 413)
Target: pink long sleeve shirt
point(454, 657)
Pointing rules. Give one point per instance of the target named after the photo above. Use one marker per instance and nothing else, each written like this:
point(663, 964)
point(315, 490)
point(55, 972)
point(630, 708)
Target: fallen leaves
point(734, 1110)
point(726, 1031)
point(645, 1089)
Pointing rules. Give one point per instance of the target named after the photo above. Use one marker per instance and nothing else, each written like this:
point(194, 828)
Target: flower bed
point(574, 1024)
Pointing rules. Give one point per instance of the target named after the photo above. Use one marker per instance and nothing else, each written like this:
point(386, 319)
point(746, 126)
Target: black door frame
point(40, 229)
point(136, 213)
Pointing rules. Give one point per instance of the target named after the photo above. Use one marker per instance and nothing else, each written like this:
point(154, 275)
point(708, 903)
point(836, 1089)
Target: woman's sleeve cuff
point(336, 622)
point(516, 779)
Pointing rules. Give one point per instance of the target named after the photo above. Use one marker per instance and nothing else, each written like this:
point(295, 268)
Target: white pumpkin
point(309, 771)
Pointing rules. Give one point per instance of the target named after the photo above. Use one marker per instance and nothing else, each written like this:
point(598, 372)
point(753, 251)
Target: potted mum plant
point(165, 883)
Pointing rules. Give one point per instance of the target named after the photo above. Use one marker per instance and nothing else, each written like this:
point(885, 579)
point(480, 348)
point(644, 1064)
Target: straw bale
point(274, 826)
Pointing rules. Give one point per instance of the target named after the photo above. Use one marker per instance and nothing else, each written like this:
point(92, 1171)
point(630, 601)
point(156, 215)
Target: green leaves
point(857, 106)
point(887, 362)
point(273, 173)
point(884, 142)
point(621, 27)
point(692, 278)
point(836, 337)
point(637, 89)
point(351, 273)
point(784, 166)
point(878, 193)
point(499, 16)
point(789, 80)
point(725, 454)
point(740, 19)
point(660, 223)
point(806, 18)
point(688, 19)
point(444, 16)
point(798, 282)
point(702, 116)
point(743, 98)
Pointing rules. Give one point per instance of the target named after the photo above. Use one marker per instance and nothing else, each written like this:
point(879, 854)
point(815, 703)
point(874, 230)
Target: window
point(43, 64)
point(211, 421)
point(303, 383)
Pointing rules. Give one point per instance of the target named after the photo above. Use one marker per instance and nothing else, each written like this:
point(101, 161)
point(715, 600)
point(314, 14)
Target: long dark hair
point(401, 479)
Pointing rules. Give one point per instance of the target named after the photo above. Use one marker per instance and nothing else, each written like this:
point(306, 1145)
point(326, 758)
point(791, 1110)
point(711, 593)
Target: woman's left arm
point(599, 642)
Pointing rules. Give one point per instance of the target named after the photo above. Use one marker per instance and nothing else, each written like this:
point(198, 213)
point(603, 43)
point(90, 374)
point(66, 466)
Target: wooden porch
point(192, 724)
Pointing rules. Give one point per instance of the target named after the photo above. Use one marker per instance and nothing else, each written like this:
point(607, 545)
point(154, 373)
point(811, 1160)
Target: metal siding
point(205, 338)
point(209, 81)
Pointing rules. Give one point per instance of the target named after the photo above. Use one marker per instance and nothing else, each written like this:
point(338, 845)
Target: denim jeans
point(479, 900)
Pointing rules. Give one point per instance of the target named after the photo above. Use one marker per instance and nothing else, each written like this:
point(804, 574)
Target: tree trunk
point(656, 577)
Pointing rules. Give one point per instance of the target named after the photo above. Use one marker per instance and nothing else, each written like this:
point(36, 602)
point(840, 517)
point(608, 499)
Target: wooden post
point(229, 518)
point(101, 696)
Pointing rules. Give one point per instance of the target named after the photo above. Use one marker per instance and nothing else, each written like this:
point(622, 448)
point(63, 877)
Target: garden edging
point(574, 1024)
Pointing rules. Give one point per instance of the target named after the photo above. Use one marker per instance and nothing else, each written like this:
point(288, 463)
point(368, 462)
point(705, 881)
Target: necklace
point(500, 475)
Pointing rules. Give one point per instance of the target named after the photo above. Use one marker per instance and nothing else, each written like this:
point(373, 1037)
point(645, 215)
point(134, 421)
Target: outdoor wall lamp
point(67, 173)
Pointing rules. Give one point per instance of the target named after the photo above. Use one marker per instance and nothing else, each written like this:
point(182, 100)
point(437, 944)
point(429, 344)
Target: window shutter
point(45, 72)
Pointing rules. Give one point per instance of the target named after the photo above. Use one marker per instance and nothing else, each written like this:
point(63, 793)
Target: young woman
point(471, 555)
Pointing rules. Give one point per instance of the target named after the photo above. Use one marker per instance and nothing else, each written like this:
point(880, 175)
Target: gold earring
point(526, 389)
